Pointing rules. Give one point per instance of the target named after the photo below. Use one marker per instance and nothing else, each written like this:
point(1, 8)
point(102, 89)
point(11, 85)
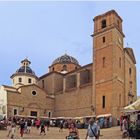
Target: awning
point(104, 115)
point(134, 106)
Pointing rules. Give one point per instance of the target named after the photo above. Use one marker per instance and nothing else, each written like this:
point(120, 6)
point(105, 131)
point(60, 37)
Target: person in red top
point(37, 123)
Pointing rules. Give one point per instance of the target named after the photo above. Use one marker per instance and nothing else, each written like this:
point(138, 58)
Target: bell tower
point(108, 62)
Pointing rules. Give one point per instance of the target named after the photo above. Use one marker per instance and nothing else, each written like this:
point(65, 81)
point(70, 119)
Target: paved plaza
point(53, 133)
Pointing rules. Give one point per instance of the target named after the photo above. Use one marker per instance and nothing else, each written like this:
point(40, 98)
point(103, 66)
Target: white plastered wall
point(3, 101)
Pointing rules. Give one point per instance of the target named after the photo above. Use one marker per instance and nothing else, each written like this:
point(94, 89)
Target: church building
point(105, 86)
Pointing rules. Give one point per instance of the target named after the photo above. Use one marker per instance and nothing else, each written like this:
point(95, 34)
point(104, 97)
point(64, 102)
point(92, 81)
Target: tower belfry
point(107, 21)
point(108, 61)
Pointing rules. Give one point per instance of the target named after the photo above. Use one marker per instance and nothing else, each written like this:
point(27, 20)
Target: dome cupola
point(25, 67)
point(65, 59)
point(64, 64)
point(24, 75)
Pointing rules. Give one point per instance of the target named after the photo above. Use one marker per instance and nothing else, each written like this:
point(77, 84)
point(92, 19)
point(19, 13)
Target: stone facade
point(76, 99)
point(24, 101)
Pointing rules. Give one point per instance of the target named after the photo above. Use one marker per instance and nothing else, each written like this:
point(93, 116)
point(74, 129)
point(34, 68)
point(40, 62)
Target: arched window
point(64, 67)
point(103, 102)
point(103, 23)
point(29, 80)
point(19, 80)
point(103, 62)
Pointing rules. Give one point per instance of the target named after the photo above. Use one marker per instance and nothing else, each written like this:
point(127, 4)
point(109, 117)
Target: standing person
point(14, 120)
point(132, 130)
point(124, 128)
point(110, 121)
point(25, 127)
point(33, 122)
point(118, 121)
point(9, 128)
point(42, 129)
point(61, 126)
point(37, 123)
point(22, 125)
point(13, 130)
point(98, 129)
point(73, 132)
point(92, 130)
point(29, 124)
point(121, 122)
point(48, 124)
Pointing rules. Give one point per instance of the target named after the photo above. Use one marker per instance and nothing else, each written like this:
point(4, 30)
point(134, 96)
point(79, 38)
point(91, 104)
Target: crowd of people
point(130, 128)
point(129, 125)
point(25, 125)
point(93, 130)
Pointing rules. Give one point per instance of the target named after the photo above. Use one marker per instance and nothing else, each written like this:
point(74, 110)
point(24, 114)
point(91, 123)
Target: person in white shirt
point(92, 131)
point(98, 128)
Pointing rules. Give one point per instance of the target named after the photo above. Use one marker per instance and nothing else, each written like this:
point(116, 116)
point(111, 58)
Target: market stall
point(133, 111)
point(83, 122)
point(105, 120)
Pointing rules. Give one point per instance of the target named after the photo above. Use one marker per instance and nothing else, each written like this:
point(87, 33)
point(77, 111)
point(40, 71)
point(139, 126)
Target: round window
point(33, 92)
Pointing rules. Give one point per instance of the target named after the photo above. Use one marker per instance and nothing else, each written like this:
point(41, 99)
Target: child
point(42, 129)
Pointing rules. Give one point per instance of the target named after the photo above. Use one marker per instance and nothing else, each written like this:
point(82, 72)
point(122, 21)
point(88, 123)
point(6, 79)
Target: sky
point(43, 31)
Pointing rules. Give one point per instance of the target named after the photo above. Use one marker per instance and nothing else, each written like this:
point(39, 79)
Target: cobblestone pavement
point(53, 133)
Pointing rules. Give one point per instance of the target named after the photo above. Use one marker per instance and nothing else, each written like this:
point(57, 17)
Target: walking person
point(48, 124)
point(92, 131)
point(61, 126)
point(42, 129)
point(98, 129)
point(9, 128)
point(132, 130)
point(13, 130)
point(124, 128)
point(32, 121)
point(25, 127)
point(37, 123)
point(29, 124)
point(22, 125)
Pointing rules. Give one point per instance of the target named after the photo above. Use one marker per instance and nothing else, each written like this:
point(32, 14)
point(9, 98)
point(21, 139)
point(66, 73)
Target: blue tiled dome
point(25, 69)
point(64, 59)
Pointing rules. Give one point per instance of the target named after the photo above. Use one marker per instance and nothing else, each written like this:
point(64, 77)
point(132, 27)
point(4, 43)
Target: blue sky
point(43, 31)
